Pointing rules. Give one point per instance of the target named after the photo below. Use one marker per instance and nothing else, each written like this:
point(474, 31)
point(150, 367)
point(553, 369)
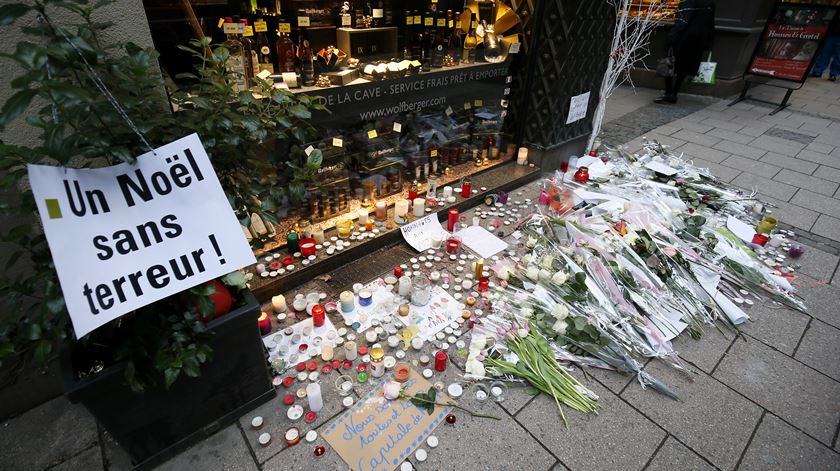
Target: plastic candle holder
point(307, 246)
point(453, 245)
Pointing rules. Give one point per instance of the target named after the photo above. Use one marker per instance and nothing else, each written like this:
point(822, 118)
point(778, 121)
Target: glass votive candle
point(307, 246)
point(419, 207)
point(344, 228)
point(381, 211)
point(453, 245)
point(483, 284)
point(344, 385)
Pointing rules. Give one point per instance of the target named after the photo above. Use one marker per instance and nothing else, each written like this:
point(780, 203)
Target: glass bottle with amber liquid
point(285, 50)
point(304, 55)
point(470, 42)
point(252, 63)
point(263, 48)
point(456, 39)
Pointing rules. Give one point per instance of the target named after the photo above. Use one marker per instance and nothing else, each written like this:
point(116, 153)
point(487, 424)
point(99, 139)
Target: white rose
point(527, 312)
point(559, 278)
point(391, 390)
point(560, 311)
point(560, 327)
point(545, 275)
point(504, 273)
point(532, 241)
point(533, 272)
point(526, 259)
point(547, 261)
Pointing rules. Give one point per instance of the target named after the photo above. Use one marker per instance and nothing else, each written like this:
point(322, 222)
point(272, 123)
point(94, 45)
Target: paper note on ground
point(741, 229)
point(419, 233)
point(441, 311)
point(481, 241)
point(281, 345)
point(659, 167)
point(378, 434)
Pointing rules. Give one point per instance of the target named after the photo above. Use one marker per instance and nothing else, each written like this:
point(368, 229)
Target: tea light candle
point(404, 288)
point(370, 336)
point(257, 422)
point(393, 341)
point(278, 303)
point(522, 156)
point(381, 211)
point(313, 394)
point(365, 297)
point(363, 216)
point(350, 352)
point(347, 301)
point(327, 352)
point(299, 304)
point(417, 343)
point(419, 207)
point(434, 276)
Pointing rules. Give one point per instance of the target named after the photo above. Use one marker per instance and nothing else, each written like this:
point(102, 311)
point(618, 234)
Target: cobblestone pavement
point(767, 400)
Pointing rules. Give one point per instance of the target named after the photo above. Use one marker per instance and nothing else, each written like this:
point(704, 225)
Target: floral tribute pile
point(623, 258)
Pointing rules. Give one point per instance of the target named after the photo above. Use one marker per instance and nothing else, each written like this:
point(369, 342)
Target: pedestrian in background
point(690, 38)
point(830, 52)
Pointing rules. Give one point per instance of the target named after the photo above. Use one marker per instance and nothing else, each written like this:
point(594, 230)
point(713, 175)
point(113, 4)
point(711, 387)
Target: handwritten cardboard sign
point(127, 235)
point(377, 434)
point(419, 233)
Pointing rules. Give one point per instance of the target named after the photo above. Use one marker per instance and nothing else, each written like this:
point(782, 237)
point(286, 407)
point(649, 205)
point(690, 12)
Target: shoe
point(832, 78)
point(666, 100)
point(814, 74)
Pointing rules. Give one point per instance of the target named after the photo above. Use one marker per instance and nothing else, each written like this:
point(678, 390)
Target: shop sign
point(791, 39)
point(122, 237)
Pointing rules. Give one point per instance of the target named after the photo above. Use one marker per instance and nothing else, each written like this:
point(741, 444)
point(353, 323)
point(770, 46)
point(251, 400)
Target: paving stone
point(827, 226)
point(46, 435)
point(822, 159)
point(302, 457)
point(720, 122)
point(821, 299)
point(705, 153)
point(225, 449)
point(613, 380)
point(604, 436)
point(669, 141)
point(819, 147)
point(827, 173)
point(796, 139)
point(559, 467)
point(820, 349)
point(88, 460)
point(777, 445)
point(791, 214)
point(690, 124)
point(818, 264)
point(721, 172)
point(755, 129)
point(696, 137)
point(748, 181)
point(674, 456)
point(816, 201)
point(740, 149)
point(731, 135)
point(775, 325)
point(666, 130)
point(710, 418)
point(817, 185)
point(276, 422)
point(754, 167)
point(706, 351)
point(792, 163)
point(785, 387)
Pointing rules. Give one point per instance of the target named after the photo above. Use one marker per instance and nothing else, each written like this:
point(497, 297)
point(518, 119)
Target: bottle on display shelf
point(285, 51)
point(417, 36)
point(304, 55)
point(456, 40)
point(236, 59)
point(378, 14)
point(345, 16)
point(408, 35)
point(252, 63)
point(494, 50)
point(438, 43)
point(388, 19)
point(426, 54)
point(470, 42)
point(264, 59)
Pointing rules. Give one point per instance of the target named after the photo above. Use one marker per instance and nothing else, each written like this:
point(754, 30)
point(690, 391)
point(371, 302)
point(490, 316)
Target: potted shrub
point(157, 377)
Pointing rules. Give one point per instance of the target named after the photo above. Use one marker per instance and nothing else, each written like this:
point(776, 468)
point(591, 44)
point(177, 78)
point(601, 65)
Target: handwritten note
point(377, 434)
point(441, 311)
point(419, 233)
point(578, 107)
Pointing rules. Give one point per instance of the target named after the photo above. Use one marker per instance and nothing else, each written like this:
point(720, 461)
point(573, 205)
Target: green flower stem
point(451, 405)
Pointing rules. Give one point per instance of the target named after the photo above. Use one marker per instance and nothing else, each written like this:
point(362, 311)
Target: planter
point(155, 425)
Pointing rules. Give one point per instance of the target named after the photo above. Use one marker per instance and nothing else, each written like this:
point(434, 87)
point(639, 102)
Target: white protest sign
point(419, 233)
point(578, 107)
point(125, 236)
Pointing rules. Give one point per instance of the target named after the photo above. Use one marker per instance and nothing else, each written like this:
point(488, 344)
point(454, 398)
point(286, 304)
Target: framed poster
point(791, 39)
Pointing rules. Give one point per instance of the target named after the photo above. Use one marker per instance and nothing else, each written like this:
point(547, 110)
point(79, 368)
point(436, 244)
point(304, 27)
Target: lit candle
point(347, 300)
point(401, 211)
point(318, 315)
point(326, 352)
point(522, 157)
point(452, 219)
point(265, 323)
point(419, 207)
point(278, 303)
point(404, 287)
point(313, 393)
point(381, 211)
point(307, 246)
point(363, 216)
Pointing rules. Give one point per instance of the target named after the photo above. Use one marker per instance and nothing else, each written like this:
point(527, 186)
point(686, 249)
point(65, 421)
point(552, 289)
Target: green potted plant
point(102, 104)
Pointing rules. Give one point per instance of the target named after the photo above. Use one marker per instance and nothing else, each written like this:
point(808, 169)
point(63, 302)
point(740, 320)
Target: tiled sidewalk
point(769, 400)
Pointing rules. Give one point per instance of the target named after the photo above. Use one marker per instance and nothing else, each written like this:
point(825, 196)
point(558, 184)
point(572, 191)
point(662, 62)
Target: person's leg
point(670, 95)
point(834, 71)
point(678, 81)
point(822, 59)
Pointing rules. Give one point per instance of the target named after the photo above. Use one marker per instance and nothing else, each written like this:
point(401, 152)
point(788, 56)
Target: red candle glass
point(483, 284)
point(265, 323)
point(760, 239)
point(466, 188)
point(318, 315)
point(453, 245)
point(398, 272)
point(582, 175)
point(307, 246)
point(412, 194)
point(564, 166)
point(440, 361)
point(453, 218)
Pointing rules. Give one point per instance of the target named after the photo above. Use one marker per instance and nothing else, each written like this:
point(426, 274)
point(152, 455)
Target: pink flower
point(680, 181)
point(670, 251)
point(391, 390)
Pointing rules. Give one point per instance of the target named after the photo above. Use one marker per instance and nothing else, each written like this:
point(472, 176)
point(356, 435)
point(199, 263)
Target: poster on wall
point(791, 39)
point(125, 236)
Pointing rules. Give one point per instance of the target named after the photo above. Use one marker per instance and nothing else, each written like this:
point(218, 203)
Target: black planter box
point(155, 425)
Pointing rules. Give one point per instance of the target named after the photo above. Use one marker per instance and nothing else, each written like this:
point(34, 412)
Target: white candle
point(347, 301)
point(393, 341)
point(363, 216)
point(326, 352)
point(278, 303)
point(313, 393)
point(419, 207)
point(404, 288)
point(318, 235)
point(401, 210)
point(417, 343)
point(522, 157)
point(299, 304)
point(370, 336)
point(447, 191)
point(350, 352)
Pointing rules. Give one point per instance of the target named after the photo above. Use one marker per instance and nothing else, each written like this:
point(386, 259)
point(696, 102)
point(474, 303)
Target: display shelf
point(502, 177)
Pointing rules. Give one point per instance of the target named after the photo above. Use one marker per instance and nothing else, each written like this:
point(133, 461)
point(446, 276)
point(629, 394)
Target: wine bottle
point(408, 35)
point(285, 51)
point(235, 63)
point(426, 55)
point(304, 55)
point(455, 39)
point(438, 43)
point(470, 42)
point(264, 59)
point(417, 40)
point(379, 15)
point(252, 63)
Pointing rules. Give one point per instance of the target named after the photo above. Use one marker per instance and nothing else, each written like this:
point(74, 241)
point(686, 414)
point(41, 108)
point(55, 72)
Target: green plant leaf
point(170, 375)
point(15, 105)
point(33, 331)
